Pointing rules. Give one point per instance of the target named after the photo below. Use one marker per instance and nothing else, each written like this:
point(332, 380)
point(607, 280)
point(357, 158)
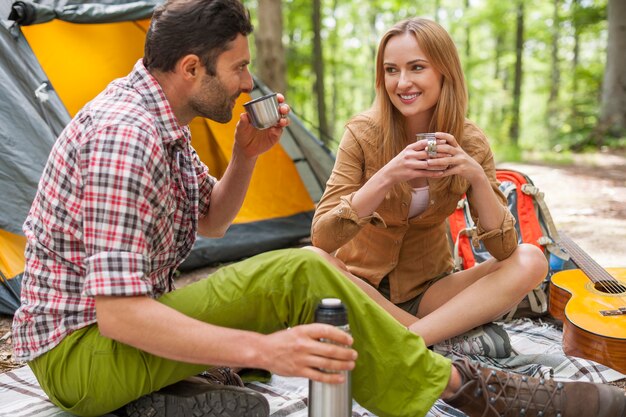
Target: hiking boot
point(222, 376)
point(489, 393)
point(487, 340)
point(208, 396)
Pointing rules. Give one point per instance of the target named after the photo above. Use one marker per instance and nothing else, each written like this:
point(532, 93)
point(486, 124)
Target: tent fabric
point(28, 126)
point(49, 71)
point(31, 117)
point(28, 13)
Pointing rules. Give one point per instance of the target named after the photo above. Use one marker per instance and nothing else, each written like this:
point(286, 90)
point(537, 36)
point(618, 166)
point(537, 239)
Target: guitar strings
point(609, 283)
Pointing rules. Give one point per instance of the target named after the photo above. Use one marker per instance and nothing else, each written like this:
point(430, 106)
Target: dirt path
point(586, 198)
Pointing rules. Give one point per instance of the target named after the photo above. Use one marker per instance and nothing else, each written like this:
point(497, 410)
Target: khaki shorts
point(410, 306)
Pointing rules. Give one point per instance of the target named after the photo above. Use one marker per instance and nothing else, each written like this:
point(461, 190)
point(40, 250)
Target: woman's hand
point(253, 142)
point(412, 162)
point(456, 162)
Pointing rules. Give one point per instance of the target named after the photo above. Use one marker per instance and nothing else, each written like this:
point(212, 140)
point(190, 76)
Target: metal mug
point(431, 144)
point(263, 112)
point(431, 148)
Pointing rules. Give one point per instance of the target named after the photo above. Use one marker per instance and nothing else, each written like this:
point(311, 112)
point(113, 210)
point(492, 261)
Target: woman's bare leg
point(466, 299)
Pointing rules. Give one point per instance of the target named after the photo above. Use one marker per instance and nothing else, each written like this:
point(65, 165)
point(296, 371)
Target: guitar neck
point(590, 267)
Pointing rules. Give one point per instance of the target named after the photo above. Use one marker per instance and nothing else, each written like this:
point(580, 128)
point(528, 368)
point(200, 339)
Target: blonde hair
point(450, 110)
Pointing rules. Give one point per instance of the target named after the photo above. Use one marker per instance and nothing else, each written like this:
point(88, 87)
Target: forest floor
point(586, 197)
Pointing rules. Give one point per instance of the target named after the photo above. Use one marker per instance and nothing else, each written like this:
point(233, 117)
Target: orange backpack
point(534, 225)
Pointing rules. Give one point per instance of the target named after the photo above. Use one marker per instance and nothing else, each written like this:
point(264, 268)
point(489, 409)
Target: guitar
point(591, 303)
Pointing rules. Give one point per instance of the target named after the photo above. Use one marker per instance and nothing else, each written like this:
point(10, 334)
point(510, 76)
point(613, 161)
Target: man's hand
point(158, 329)
point(229, 192)
point(298, 352)
point(254, 142)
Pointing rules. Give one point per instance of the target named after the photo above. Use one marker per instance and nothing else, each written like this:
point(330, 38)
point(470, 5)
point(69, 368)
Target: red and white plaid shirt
point(116, 212)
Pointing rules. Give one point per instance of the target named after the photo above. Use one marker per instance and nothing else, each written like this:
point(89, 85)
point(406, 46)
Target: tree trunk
point(468, 53)
point(333, 43)
point(555, 73)
point(468, 34)
point(271, 67)
point(373, 51)
point(575, 59)
point(499, 47)
point(318, 67)
point(613, 113)
point(517, 87)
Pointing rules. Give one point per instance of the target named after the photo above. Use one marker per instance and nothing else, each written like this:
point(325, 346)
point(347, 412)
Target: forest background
point(546, 76)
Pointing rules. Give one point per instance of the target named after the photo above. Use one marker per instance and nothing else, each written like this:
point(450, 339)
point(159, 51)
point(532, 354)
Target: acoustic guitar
point(591, 303)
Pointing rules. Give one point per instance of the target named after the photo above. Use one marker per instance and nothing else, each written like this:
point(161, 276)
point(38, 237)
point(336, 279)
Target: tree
point(576, 57)
point(318, 66)
point(517, 86)
point(271, 67)
point(555, 72)
point(613, 113)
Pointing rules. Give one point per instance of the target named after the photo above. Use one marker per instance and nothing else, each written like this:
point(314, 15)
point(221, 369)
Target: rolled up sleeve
point(116, 273)
point(502, 241)
point(335, 222)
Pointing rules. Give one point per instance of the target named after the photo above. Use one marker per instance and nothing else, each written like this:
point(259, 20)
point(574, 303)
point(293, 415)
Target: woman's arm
point(336, 221)
point(488, 206)
point(490, 212)
point(351, 199)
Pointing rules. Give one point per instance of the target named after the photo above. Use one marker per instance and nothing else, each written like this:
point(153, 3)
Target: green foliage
point(485, 36)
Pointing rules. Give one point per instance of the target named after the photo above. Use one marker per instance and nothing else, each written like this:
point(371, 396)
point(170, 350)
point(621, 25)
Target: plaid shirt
point(116, 212)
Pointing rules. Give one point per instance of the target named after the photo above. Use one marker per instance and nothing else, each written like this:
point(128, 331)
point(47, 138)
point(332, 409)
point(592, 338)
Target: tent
point(57, 55)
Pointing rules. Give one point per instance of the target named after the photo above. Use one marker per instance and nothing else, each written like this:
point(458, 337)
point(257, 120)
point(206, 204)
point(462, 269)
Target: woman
point(385, 205)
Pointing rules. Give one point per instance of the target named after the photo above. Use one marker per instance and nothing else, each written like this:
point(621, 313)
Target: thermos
point(331, 400)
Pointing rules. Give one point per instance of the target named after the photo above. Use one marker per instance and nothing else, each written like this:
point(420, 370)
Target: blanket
point(537, 352)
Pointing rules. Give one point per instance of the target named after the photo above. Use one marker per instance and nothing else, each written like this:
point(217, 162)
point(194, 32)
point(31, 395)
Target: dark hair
point(201, 27)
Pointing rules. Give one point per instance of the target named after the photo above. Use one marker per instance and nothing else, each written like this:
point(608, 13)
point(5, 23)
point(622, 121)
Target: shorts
point(410, 306)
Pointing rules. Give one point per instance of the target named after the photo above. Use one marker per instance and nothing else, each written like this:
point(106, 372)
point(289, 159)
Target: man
point(117, 210)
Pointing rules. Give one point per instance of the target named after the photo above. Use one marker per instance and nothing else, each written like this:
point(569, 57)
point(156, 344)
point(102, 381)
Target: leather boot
point(490, 393)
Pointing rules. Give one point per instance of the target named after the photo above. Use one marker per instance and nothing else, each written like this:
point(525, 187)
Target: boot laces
point(488, 388)
point(222, 376)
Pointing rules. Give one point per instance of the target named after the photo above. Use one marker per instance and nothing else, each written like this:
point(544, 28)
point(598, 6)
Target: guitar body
point(587, 333)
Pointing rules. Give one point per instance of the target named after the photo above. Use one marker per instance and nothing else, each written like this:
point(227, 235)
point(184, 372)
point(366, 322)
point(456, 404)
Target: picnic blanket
point(537, 346)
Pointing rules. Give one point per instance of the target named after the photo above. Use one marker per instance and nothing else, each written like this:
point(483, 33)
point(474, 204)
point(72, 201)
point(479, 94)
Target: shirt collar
point(157, 103)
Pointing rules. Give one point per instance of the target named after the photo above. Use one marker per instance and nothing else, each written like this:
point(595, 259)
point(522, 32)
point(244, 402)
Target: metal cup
point(431, 144)
point(263, 112)
point(431, 148)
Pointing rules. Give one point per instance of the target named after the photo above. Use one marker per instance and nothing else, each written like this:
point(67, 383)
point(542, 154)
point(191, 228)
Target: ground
point(586, 197)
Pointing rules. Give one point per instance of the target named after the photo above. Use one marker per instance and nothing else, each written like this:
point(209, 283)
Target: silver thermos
point(331, 400)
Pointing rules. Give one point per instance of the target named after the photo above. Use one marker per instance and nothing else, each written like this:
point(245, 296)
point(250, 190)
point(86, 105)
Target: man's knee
point(313, 264)
point(336, 262)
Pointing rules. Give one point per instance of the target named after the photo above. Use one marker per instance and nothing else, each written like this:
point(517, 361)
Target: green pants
point(395, 374)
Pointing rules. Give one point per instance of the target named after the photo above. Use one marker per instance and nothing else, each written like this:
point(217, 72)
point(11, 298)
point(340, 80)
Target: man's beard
point(213, 102)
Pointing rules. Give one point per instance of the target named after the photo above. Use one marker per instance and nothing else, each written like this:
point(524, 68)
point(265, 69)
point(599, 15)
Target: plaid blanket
point(537, 346)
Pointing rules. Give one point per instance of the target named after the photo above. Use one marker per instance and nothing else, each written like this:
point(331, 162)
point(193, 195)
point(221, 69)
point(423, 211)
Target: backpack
point(533, 224)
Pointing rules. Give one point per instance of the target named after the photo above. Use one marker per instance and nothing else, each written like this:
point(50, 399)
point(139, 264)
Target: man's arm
point(155, 328)
point(229, 192)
